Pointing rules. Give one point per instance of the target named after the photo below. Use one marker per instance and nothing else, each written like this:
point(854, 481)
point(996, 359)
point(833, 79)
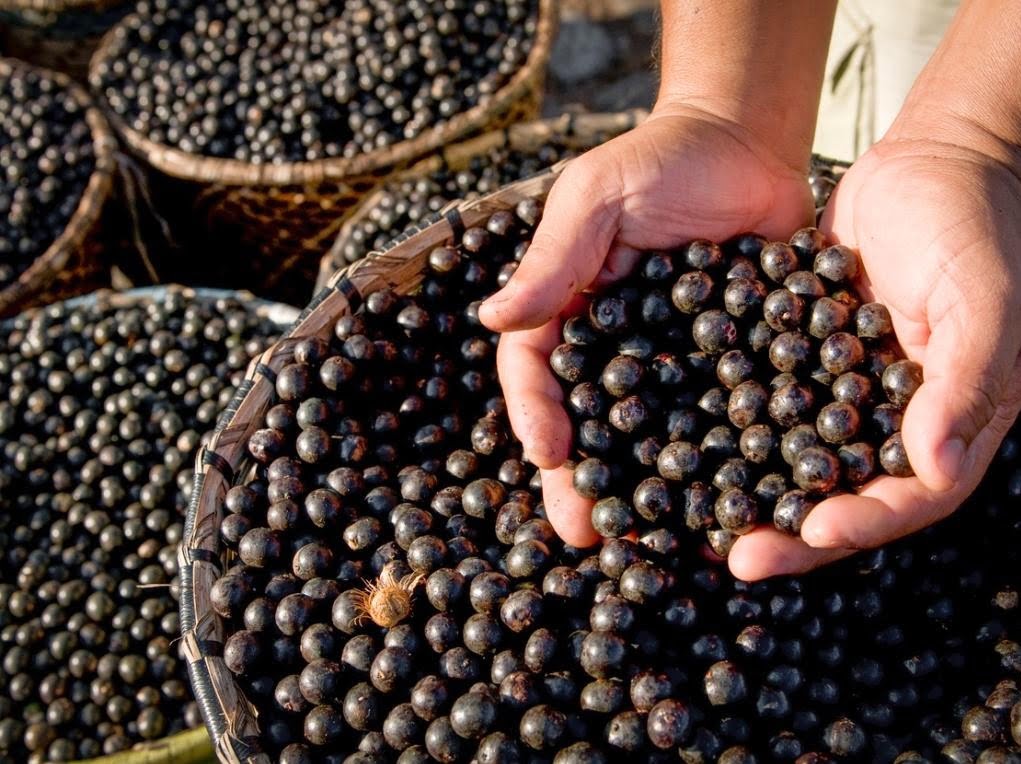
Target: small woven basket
point(57, 34)
point(72, 264)
point(232, 720)
point(577, 132)
point(285, 216)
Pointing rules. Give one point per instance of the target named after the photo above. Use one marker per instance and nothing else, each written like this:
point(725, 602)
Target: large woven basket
point(72, 264)
point(231, 719)
point(576, 132)
point(283, 217)
point(191, 746)
point(57, 34)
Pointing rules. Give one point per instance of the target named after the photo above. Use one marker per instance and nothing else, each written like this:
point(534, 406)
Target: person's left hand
point(938, 227)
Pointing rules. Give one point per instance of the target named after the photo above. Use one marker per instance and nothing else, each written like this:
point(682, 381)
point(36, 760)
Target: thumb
point(578, 226)
point(968, 368)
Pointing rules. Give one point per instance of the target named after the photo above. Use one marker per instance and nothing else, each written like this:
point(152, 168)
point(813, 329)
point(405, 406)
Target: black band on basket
point(197, 554)
point(210, 647)
point(265, 371)
point(456, 223)
point(218, 463)
point(569, 128)
point(350, 292)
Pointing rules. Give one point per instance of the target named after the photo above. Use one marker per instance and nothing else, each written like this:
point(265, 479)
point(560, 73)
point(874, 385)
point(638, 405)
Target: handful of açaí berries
point(726, 386)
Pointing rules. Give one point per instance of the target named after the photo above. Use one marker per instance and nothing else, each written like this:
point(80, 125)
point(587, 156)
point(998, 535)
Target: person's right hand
point(684, 173)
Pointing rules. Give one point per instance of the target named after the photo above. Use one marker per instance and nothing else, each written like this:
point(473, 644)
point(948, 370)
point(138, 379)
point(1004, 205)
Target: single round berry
point(817, 470)
point(901, 380)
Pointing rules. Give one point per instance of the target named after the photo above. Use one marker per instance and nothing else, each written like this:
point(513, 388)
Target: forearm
point(968, 94)
point(757, 63)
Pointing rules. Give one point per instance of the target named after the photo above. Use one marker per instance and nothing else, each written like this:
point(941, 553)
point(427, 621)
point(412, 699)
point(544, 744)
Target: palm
point(937, 249)
point(681, 175)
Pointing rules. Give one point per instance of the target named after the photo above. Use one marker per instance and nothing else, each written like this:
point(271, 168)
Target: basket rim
point(57, 6)
point(90, 205)
point(565, 126)
point(201, 552)
point(232, 172)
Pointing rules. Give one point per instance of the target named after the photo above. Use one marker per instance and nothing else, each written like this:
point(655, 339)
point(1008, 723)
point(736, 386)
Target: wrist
point(781, 151)
point(967, 95)
point(965, 132)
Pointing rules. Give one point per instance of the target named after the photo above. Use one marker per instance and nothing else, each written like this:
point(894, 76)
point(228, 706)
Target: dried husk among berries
point(230, 717)
point(572, 132)
point(73, 263)
point(273, 222)
point(57, 34)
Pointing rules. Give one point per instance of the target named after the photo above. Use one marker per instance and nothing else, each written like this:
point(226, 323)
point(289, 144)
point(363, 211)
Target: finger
point(969, 365)
point(766, 552)
point(888, 508)
point(534, 397)
point(579, 222)
point(618, 264)
point(568, 513)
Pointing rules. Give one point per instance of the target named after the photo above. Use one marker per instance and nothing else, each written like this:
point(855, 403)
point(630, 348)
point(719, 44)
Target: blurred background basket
point(73, 263)
point(232, 720)
point(57, 34)
point(261, 224)
point(522, 146)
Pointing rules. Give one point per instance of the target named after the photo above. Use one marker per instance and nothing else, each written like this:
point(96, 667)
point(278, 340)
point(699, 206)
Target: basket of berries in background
point(56, 177)
point(466, 171)
point(370, 573)
point(57, 34)
point(276, 118)
point(104, 400)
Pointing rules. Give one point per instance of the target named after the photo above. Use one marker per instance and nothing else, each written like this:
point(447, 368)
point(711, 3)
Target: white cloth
point(880, 46)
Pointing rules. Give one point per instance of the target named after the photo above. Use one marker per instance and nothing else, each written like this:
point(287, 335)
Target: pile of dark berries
point(721, 387)
point(283, 81)
point(46, 158)
point(386, 458)
point(102, 410)
point(823, 176)
point(411, 202)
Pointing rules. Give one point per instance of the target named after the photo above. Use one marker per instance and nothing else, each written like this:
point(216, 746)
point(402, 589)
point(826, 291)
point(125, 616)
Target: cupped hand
point(682, 174)
point(938, 227)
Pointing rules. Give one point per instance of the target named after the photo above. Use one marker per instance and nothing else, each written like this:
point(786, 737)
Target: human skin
point(934, 208)
point(725, 150)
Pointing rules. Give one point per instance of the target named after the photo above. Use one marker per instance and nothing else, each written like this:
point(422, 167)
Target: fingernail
point(817, 538)
point(500, 297)
point(950, 458)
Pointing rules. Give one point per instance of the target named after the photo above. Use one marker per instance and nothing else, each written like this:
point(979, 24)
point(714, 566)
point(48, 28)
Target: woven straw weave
point(72, 264)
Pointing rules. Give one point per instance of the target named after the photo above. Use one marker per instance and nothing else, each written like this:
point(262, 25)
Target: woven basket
point(283, 217)
point(577, 132)
point(191, 746)
point(231, 719)
point(72, 264)
point(57, 34)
